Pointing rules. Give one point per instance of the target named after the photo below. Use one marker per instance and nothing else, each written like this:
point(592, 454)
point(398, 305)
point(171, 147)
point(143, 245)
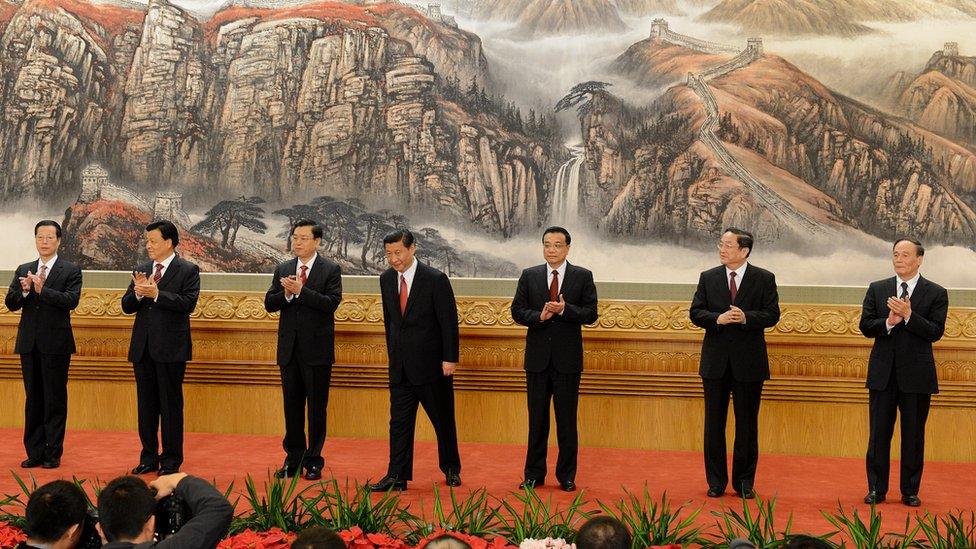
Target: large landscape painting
point(827, 127)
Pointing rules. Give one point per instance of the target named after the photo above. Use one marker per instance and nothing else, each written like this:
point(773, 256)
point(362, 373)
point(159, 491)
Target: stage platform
point(803, 485)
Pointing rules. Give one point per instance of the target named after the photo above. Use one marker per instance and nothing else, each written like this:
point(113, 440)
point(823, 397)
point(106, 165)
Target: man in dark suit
point(421, 321)
point(162, 294)
point(554, 300)
point(904, 314)
point(734, 303)
point(126, 516)
point(47, 290)
point(307, 290)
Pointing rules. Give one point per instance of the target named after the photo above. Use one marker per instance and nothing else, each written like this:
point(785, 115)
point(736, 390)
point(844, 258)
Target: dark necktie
point(904, 290)
point(159, 273)
point(403, 294)
point(554, 286)
point(43, 273)
point(304, 275)
point(732, 288)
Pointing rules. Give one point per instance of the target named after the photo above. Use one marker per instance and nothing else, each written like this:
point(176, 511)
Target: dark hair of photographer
point(603, 533)
point(55, 515)
point(127, 505)
point(125, 510)
point(318, 537)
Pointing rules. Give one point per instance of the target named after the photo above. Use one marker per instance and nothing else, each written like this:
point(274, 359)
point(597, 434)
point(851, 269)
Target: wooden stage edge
point(640, 386)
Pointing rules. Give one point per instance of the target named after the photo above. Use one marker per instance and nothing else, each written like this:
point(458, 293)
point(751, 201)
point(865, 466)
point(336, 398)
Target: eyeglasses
point(557, 246)
point(45, 238)
point(727, 246)
point(301, 238)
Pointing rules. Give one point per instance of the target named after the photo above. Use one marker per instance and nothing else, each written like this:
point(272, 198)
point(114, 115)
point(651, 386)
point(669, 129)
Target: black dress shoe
point(51, 464)
point(286, 471)
point(167, 470)
point(144, 468)
point(911, 501)
point(530, 483)
point(874, 497)
point(313, 473)
point(747, 494)
point(567, 486)
point(388, 483)
point(715, 492)
point(30, 463)
point(452, 478)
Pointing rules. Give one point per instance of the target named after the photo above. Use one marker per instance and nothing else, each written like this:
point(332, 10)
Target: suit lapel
point(174, 267)
point(568, 280)
point(921, 288)
point(315, 271)
point(721, 281)
point(55, 273)
point(743, 285)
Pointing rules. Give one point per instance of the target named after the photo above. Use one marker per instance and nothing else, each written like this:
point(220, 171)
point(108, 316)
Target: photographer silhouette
point(128, 512)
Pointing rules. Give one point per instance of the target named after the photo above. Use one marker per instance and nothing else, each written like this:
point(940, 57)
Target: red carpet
point(802, 485)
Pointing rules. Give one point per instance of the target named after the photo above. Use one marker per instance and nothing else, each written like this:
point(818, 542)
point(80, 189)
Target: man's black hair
point(399, 235)
point(124, 506)
point(919, 249)
point(167, 229)
point(316, 228)
point(49, 223)
point(559, 230)
point(743, 237)
point(54, 508)
point(603, 533)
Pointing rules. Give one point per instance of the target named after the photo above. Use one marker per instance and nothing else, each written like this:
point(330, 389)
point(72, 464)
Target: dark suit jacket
point(46, 318)
point(162, 327)
point(908, 348)
point(307, 322)
point(418, 341)
point(743, 346)
point(560, 339)
point(210, 516)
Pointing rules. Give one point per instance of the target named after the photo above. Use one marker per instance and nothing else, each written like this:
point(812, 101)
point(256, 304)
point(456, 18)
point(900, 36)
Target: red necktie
point(159, 272)
point(554, 286)
point(43, 273)
point(304, 275)
point(732, 288)
point(403, 294)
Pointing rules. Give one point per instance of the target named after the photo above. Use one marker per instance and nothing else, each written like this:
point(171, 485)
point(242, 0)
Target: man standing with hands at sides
point(554, 300)
point(162, 294)
point(734, 303)
point(47, 290)
point(307, 290)
point(421, 321)
point(905, 315)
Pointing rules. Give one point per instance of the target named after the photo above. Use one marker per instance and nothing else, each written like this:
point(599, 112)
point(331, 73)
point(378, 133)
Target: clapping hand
point(449, 368)
point(26, 281)
point(292, 285)
point(144, 286)
point(899, 309)
point(556, 307)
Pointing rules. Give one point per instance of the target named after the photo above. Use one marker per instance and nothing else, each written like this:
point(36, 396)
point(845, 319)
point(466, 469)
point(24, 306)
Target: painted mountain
point(755, 141)
point(941, 98)
point(829, 17)
point(539, 18)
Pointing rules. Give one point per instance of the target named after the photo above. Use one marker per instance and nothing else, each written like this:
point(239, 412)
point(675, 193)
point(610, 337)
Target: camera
point(172, 512)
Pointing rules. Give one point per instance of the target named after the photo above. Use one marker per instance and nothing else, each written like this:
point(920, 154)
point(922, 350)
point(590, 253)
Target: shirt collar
point(739, 273)
point(50, 263)
point(912, 282)
point(310, 262)
point(561, 269)
point(411, 271)
point(165, 263)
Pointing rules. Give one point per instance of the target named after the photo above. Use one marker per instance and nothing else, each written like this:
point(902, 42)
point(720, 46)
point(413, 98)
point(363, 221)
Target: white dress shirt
point(912, 282)
point(739, 273)
point(40, 263)
point(165, 263)
point(562, 274)
point(408, 276)
point(298, 272)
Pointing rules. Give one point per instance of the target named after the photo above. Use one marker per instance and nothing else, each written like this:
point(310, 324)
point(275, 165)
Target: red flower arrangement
point(10, 536)
point(249, 539)
point(356, 539)
point(475, 542)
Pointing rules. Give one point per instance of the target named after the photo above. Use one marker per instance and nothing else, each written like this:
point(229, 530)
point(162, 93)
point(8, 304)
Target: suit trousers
point(46, 407)
point(305, 391)
point(159, 392)
point(437, 398)
point(883, 406)
point(746, 397)
point(563, 391)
